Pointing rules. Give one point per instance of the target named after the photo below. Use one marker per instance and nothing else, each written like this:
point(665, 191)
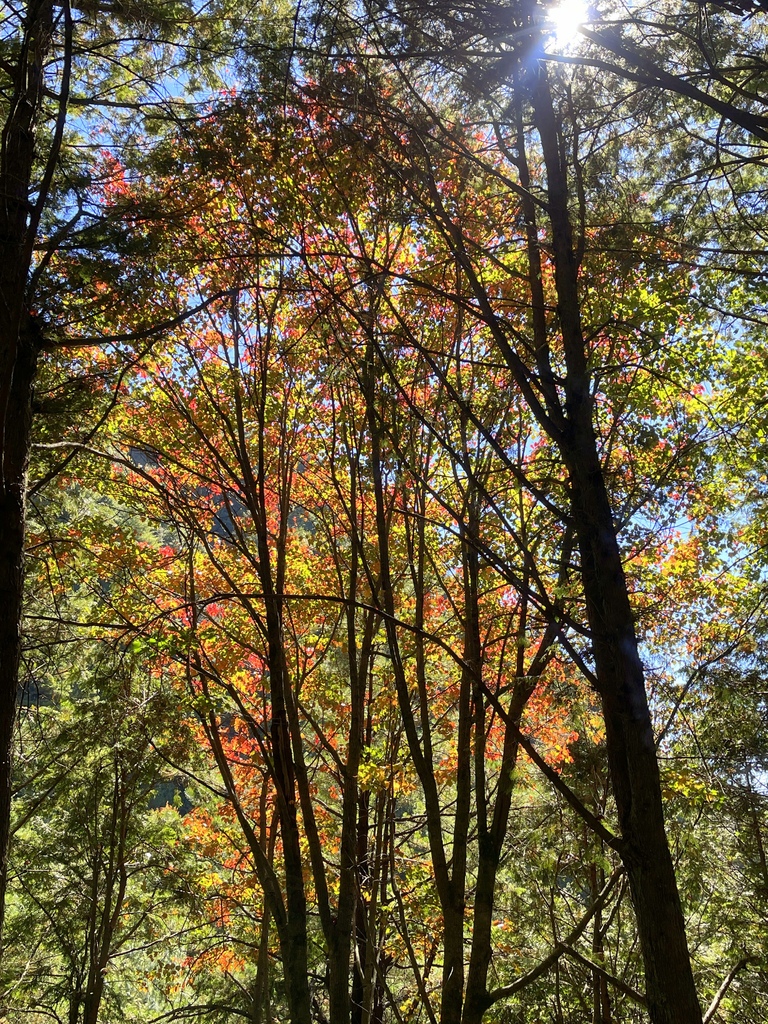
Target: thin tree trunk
point(260, 990)
point(293, 929)
point(449, 879)
point(601, 1000)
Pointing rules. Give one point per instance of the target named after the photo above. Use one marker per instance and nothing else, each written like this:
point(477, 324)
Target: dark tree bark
point(15, 453)
point(19, 346)
point(633, 765)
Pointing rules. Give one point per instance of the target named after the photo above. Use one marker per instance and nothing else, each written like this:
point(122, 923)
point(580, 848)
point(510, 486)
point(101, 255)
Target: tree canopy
point(382, 515)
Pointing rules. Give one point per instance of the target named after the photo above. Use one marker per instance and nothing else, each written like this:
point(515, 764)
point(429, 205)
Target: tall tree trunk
point(670, 988)
point(18, 362)
point(12, 521)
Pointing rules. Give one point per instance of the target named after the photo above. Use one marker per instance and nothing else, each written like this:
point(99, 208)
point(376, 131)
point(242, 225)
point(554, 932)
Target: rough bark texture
point(18, 361)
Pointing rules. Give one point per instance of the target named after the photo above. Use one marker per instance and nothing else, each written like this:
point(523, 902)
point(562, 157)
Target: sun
point(565, 19)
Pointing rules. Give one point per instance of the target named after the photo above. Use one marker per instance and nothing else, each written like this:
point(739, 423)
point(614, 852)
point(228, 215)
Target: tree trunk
point(601, 1000)
point(670, 988)
point(631, 751)
point(12, 522)
point(260, 989)
point(18, 362)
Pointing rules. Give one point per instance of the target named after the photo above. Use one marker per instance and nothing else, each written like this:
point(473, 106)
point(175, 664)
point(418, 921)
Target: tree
point(92, 885)
point(551, 365)
point(142, 66)
point(414, 475)
point(379, 327)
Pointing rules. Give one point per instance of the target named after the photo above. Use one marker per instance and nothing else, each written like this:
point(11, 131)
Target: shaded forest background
point(383, 513)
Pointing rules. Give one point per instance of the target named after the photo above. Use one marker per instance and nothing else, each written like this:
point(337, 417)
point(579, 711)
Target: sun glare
point(565, 19)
